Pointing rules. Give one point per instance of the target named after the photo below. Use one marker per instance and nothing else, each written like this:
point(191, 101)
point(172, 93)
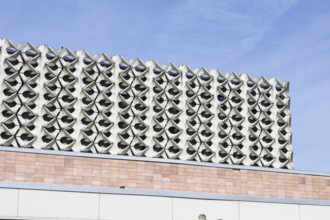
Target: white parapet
point(61, 100)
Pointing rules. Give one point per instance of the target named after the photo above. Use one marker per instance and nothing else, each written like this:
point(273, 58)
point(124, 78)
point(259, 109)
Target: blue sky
point(286, 39)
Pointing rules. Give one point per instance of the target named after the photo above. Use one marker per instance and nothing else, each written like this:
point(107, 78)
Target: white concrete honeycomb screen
point(60, 100)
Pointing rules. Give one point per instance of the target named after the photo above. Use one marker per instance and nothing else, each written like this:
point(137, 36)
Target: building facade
point(60, 100)
point(98, 137)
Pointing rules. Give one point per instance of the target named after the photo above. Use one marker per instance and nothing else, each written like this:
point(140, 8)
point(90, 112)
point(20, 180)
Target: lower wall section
point(45, 204)
point(52, 167)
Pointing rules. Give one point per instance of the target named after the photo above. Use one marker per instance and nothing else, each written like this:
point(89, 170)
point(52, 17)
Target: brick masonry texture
point(100, 172)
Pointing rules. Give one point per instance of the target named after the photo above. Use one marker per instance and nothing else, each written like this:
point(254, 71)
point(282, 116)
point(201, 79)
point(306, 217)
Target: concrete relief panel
point(73, 101)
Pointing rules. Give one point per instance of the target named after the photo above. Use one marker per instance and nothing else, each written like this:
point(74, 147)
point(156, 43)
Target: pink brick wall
point(69, 170)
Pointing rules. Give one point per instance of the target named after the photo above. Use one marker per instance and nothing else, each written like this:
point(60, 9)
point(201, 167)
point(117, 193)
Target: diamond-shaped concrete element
point(73, 101)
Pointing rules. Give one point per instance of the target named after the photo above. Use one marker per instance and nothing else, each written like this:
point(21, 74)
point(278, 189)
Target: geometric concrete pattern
point(72, 101)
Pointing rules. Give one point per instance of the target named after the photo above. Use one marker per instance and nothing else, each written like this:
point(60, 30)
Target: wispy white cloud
point(217, 30)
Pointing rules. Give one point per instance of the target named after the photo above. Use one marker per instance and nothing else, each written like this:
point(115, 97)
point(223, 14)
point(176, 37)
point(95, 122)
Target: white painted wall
point(269, 211)
point(8, 202)
point(125, 207)
point(308, 212)
point(189, 209)
point(52, 204)
point(36, 204)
